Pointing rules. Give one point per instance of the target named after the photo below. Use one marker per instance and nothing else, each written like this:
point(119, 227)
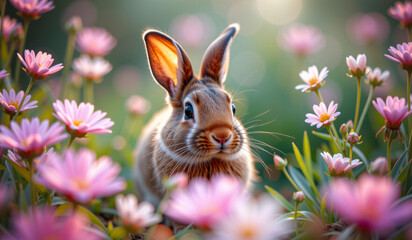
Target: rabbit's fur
point(209, 141)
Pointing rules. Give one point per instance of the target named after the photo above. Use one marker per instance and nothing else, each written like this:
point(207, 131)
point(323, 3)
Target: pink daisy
point(203, 202)
point(42, 159)
point(324, 116)
point(134, 215)
point(357, 66)
point(38, 66)
point(379, 166)
point(312, 78)
point(32, 8)
point(376, 77)
point(31, 136)
point(367, 28)
point(339, 165)
point(82, 119)
point(394, 110)
point(11, 101)
point(369, 203)
point(42, 223)
point(95, 41)
point(401, 54)
point(3, 74)
point(402, 12)
point(10, 25)
point(301, 40)
point(92, 68)
point(80, 176)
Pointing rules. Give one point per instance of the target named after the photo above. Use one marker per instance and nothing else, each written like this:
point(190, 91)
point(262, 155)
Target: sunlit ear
point(215, 62)
point(168, 62)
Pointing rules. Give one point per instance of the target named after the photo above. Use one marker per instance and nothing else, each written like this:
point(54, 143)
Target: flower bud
point(280, 163)
point(74, 24)
point(343, 129)
point(137, 105)
point(379, 166)
point(357, 66)
point(176, 181)
point(349, 124)
point(353, 137)
point(375, 77)
point(298, 196)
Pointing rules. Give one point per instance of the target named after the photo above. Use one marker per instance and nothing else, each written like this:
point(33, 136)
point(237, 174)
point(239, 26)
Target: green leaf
point(345, 234)
point(305, 171)
point(323, 208)
point(25, 174)
point(301, 216)
point(280, 199)
point(2, 168)
point(398, 165)
point(403, 173)
point(307, 154)
point(303, 185)
point(93, 218)
point(118, 233)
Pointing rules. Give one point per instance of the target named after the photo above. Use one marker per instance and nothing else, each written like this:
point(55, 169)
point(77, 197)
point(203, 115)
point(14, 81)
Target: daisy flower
point(339, 165)
point(95, 41)
point(324, 116)
point(312, 78)
point(32, 8)
point(401, 54)
point(402, 12)
point(357, 66)
point(11, 101)
point(92, 68)
point(38, 65)
point(82, 119)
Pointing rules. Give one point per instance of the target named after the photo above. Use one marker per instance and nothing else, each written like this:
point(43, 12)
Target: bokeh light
point(279, 12)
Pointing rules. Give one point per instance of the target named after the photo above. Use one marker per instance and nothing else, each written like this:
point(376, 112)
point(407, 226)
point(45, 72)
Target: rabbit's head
point(202, 125)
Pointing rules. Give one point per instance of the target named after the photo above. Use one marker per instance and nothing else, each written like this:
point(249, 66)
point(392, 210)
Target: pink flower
point(368, 203)
point(368, 28)
point(74, 24)
point(176, 181)
point(42, 223)
point(402, 12)
point(95, 41)
point(31, 137)
point(339, 165)
point(379, 166)
point(401, 54)
point(353, 137)
point(32, 8)
point(376, 77)
point(298, 196)
point(40, 160)
point(3, 74)
point(357, 66)
point(301, 40)
point(134, 215)
point(251, 219)
point(10, 25)
point(137, 105)
point(92, 68)
point(324, 116)
point(280, 163)
point(394, 111)
point(80, 177)
point(82, 119)
point(204, 203)
point(312, 78)
point(11, 101)
point(38, 66)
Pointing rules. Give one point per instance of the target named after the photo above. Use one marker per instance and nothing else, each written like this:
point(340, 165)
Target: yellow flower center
point(81, 184)
point(77, 122)
point(313, 81)
point(324, 117)
point(248, 232)
point(13, 103)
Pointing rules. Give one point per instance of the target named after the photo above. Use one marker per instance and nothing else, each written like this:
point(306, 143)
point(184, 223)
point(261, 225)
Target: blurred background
point(262, 73)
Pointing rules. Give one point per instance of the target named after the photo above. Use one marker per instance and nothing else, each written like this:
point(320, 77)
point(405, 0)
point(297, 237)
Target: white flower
point(312, 78)
point(92, 68)
point(357, 66)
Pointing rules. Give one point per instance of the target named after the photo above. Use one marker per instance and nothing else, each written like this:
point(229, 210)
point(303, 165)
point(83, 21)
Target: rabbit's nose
point(221, 137)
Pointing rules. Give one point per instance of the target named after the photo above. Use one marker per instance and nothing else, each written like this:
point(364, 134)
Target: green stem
point(33, 194)
point(334, 140)
point(21, 48)
point(67, 64)
point(88, 91)
point(389, 157)
point(32, 80)
point(290, 179)
point(365, 109)
point(296, 218)
point(350, 160)
point(7, 65)
point(72, 137)
point(319, 96)
point(3, 10)
point(358, 96)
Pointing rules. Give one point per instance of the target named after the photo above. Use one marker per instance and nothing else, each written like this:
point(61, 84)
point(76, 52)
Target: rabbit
point(197, 133)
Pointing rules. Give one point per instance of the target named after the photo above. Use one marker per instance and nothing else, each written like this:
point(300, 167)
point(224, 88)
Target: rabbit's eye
point(233, 109)
point(188, 111)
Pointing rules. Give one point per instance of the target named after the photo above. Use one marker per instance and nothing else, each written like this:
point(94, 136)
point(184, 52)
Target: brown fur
point(213, 142)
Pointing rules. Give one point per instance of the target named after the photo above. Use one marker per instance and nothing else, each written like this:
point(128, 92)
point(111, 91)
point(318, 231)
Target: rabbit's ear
point(168, 62)
point(215, 62)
